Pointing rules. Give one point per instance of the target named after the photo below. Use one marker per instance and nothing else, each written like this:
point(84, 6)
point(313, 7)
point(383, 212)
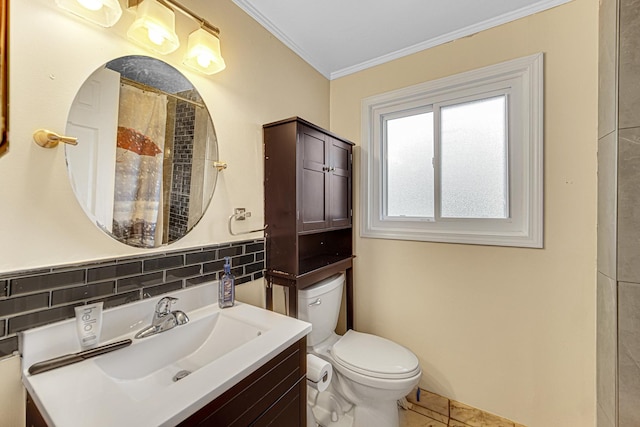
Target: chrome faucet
point(163, 318)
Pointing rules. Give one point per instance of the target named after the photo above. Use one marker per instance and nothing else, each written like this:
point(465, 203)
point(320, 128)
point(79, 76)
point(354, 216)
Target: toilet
point(370, 373)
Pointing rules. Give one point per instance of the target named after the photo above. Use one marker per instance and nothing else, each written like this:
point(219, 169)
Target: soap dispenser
point(226, 286)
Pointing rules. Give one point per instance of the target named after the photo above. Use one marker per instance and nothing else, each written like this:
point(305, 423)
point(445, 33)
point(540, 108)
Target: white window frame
point(521, 80)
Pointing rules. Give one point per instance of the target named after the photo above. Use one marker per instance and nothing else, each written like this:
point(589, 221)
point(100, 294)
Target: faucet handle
point(164, 305)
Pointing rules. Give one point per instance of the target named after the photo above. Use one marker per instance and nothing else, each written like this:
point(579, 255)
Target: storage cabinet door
point(340, 184)
point(313, 207)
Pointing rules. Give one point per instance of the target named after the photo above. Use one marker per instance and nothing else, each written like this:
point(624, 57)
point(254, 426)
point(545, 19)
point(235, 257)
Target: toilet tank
point(319, 304)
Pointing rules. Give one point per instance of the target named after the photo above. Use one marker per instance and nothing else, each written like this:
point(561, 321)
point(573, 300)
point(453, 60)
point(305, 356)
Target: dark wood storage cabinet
point(308, 211)
point(274, 395)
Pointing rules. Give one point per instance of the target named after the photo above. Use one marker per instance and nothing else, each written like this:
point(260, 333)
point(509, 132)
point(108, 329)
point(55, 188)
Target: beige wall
point(52, 53)
point(508, 330)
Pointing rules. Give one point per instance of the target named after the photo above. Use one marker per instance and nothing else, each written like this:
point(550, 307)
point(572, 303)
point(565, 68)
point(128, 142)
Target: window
point(457, 159)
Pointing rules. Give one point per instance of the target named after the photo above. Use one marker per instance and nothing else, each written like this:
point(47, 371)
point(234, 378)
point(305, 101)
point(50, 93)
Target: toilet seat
point(375, 356)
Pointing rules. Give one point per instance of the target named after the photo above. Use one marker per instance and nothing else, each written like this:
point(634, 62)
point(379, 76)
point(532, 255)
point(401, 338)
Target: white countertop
point(83, 395)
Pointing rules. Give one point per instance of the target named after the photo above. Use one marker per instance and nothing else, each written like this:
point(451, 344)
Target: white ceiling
point(340, 37)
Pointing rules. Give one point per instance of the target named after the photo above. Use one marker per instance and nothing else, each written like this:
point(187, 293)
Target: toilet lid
point(375, 356)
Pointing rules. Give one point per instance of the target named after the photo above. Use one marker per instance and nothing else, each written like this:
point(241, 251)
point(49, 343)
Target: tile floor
point(433, 410)
point(409, 418)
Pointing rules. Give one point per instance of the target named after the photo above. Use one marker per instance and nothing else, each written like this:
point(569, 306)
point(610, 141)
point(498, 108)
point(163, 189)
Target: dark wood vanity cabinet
point(308, 207)
point(273, 395)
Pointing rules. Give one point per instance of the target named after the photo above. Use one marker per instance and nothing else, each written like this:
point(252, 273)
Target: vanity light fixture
point(203, 46)
point(203, 51)
point(155, 27)
point(102, 12)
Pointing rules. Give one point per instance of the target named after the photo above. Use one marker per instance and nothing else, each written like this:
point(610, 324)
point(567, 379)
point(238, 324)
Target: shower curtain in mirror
point(138, 185)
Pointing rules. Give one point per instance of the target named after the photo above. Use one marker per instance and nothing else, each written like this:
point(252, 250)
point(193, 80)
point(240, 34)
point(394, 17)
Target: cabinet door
point(340, 184)
point(313, 207)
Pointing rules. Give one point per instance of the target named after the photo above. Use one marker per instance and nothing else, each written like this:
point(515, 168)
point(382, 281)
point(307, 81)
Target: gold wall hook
point(220, 165)
point(47, 139)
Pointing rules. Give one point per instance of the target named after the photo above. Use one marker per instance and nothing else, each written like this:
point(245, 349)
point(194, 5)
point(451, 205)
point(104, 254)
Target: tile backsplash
point(37, 297)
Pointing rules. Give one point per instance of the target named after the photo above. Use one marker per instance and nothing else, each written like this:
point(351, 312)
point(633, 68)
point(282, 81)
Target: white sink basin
point(135, 386)
point(153, 363)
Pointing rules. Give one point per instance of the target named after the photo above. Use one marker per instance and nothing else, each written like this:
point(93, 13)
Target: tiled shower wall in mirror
point(37, 297)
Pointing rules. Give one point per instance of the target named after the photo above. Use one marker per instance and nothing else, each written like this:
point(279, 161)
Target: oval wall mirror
point(143, 169)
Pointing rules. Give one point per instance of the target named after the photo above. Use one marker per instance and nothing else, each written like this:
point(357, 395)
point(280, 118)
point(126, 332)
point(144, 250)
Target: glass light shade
point(203, 52)
point(102, 12)
point(154, 27)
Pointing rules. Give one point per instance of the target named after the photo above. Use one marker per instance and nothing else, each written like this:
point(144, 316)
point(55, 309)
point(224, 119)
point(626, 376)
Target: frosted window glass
point(474, 159)
point(410, 166)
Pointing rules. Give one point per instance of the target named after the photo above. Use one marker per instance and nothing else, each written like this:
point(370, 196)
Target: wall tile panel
point(628, 247)
point(607, 204)
point(607, 68)
point(606, 346)
point(628, 354)
point(629, 64)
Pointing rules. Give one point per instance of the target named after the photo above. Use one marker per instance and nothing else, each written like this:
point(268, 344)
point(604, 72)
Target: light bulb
point(91, 4)
point(156, 35)
point(204, 59)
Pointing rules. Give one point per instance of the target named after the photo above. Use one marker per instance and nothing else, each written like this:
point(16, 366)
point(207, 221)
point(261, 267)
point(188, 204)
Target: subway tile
point(39, 318)
point(17, 305)
point(152, 291)
point(232, 251)
point(211, 267)
point(252, 268)
point(113, 271)
point(201, 279)
point(22, 273)
point(163, 263)
point(136, 282)
point(475, 417)
point(3, 324)
point(201, 257)
point(119, 299)
point(254, 247)
point(46, 281)
point(183, 272)
point(8, 346)
point(241, 280)
point(62, 296)
point(260, 256)
point(236, 271)
point(258, 275)
point(242, 260)
point(4, 284)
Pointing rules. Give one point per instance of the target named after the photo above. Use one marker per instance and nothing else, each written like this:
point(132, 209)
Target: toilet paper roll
point(319, 372)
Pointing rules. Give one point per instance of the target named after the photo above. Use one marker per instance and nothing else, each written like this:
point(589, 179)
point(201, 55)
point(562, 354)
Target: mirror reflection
point(143, 167)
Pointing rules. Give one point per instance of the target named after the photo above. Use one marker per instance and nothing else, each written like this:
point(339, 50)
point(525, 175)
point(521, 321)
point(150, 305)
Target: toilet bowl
point(370, 373)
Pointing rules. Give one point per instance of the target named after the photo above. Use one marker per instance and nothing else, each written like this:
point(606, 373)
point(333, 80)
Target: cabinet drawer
point(248, 400)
